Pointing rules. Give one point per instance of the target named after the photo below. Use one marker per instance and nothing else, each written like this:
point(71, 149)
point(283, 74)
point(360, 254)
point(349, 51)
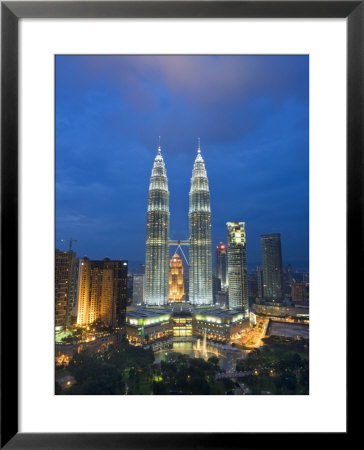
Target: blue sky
point(251, 113)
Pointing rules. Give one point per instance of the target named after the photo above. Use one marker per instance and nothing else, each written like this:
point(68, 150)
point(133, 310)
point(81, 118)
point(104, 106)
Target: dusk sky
point(251, 113)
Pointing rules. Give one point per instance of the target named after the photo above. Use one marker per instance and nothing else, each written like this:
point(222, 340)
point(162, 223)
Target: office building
point(237, 267)
point(157, 242)
point(138, 289)
point(272, 265)
point(65, 287)
point(221, 264)
point(252, 286)
point(216, 287)
point(260, 282)
point(200, 262)
point(102, 292)
point(299, 291)
point(222, 299)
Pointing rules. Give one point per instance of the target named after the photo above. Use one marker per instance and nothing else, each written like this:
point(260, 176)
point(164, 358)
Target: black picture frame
point(11, 12)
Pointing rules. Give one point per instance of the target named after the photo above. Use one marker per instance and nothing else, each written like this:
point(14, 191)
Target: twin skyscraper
point(157, 243)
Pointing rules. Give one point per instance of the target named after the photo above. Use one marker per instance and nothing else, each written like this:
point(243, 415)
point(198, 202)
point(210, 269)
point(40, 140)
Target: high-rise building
point(157, 242)
point(186, 280)
point(120, 275)
point(65, 287)
point(272, 265)
point(200, 262)
point(260, 282)
point(102, 292)
point(222, 299)
point(176, 282)
point(138, 289)
point(252, 286)
point(140, 269)
point(299, 291)
point(221, 264)
point(216, 287)
point(237, 267)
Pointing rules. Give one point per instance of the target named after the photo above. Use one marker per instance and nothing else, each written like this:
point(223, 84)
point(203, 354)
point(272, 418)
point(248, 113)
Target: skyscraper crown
point(159, 180)
point(199, 170)
point(199, 181)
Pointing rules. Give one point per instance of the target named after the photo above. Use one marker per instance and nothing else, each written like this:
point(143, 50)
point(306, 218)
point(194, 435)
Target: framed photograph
point(175, 196)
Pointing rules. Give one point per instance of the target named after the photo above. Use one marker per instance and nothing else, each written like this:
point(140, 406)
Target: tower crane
point(70, 240)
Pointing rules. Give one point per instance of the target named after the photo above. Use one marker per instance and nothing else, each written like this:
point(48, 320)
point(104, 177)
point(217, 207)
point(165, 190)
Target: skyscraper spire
point(157, 242)
point(199, 146)
point(200, 265)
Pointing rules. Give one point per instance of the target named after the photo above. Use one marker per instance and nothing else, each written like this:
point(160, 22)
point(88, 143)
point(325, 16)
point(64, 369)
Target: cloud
point(251, 113)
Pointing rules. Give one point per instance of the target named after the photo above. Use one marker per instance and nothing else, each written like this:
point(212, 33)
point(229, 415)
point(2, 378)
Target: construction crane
point(70, 240)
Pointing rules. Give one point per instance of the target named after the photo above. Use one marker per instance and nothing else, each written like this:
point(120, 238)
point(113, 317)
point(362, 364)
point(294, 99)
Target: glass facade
point(182, 326)
point(237, 267)
point(200, 262)
point(157, 242)
point(272, 265)
point(221, 265)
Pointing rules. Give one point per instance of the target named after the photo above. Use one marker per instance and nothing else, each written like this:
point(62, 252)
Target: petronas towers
point(157, 248)
point(157, 242)
point(200, 235)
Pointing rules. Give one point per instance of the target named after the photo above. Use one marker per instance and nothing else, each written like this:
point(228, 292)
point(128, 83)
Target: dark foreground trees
point(125, 369)
point(121, 369)
point(279, 367)
point(180, 374)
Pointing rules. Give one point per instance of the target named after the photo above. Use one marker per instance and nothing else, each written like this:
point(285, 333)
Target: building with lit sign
point(176, 281)
point(102, 292)
point(157, 239)
point(200, 262)
point(237, 267)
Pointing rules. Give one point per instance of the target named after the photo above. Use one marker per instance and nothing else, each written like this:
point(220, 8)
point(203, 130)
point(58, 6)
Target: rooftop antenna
point(199, 148)
point(159, 144)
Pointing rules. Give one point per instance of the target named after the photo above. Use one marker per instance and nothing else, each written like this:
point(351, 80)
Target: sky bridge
point(179, 243)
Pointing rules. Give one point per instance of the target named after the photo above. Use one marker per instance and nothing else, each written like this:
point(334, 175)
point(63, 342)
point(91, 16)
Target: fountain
point(201, 352)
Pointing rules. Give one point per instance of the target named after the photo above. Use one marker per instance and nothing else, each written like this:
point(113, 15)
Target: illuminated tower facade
point(200, 262)
point(176, 282)
point(221, 264)
point(102, 292)
point(237, 267)
point(157, 243)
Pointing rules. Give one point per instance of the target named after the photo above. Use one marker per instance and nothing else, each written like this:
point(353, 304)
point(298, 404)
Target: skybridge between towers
point(180, 243)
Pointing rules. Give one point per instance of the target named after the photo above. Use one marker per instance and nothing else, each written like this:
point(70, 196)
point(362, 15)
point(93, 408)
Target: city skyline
point(258, 175)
